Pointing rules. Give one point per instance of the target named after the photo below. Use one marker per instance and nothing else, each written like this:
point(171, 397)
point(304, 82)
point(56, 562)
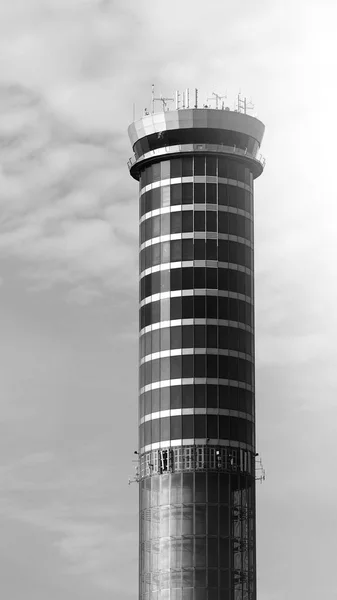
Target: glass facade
point(196, 374)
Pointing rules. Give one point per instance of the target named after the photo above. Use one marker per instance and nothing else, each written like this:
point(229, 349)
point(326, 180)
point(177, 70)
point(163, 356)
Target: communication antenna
point(243, 105)
point(218, 100)
point(196, 98)
point(160, 99)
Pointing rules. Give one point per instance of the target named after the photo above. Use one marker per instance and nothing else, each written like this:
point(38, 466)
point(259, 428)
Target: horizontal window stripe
point(196, 179)
point(196, 442)
point(195, 381)
point(174, 412)
point(180, 322)
point(196, 263)
point(195, 207)
point(196, 292)
point(196, 235)
point(193, 351)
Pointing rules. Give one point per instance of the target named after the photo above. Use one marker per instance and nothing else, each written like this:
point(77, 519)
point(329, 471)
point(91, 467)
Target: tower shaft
point(196, 170)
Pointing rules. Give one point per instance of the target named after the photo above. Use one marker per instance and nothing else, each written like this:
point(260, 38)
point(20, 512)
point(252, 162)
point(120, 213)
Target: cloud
point(63, 207)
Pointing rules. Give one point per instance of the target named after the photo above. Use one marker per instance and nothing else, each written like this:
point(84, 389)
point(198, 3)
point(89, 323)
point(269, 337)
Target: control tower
point(196, 169)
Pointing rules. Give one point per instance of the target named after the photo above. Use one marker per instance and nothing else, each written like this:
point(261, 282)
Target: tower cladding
point(196, 169)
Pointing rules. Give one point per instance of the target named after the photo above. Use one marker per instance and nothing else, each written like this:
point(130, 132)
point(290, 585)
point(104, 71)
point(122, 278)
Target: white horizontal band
point(180, 322)
point(196, 442)
point(176, 412)
point(193, 351)
point(195, 381)
point(194, 292)
point(212, 264)
point(196, 235)
point(196, 179)
point(195, 207)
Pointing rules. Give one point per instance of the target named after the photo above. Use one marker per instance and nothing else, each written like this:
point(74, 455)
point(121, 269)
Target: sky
point(70, 71)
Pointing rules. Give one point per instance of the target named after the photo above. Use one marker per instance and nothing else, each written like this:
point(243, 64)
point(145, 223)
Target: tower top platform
point(196, 118)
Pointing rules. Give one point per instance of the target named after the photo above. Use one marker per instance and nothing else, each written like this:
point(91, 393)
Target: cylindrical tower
point(196, 169)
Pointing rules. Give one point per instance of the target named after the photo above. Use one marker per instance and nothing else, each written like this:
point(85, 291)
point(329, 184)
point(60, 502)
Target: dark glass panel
point(211, 220)
point(187, 221)
point(155, 198)
point(224, 427)
point(211, 164)
point(211, 250)
point(187, 249)
point(223, 222)
point(176, 428)
point(212, 552)
point(176, 366)
point(222, 194)
point(176, 167)
point(212, 335)
point(211, 193)
point(155, 251)
point(200, 365)
point(188, 331)
point(187, 278)
point(188, 429)
point(199, 165)
point(199, 249)
point(187, 393)
point(222, 168)
point(212, 279)
point(165, 433)
point(200, 336)
point(241, 172)
point(211, 307)
point(187, 167)
point(200, 426)
point(176, 308)
point(176, 194)
point(187, 307)
point(200, 396)
point(199, 193)
point(175, 393)
point(199, 307)
point(176, 250)
point(187, 365)
point(212, 427)
point(212, 366)
point(200, 478)
point(232, 170)
point(187, 193)
point(212, 396)
point(176, 279)
point(223, 250)
point(155, 340)
point(199, 277)
point(175, 337)
point(155, 433)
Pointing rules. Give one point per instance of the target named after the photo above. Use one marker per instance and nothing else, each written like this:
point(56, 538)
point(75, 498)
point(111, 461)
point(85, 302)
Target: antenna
point(243, 105)
point(196, 98)
point(217, 99)
point(160, 99)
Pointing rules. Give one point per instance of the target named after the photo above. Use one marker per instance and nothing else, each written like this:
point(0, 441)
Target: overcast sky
point(70, 71)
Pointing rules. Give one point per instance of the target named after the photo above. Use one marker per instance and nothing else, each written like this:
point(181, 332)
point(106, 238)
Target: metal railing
point(220, 148)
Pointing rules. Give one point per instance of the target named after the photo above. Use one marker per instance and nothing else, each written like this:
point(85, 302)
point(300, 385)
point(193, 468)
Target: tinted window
point(187, 193)
point(211, 193)
point(176, 167)
point(199, 221)
point(199, 165)
point(199, 193)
